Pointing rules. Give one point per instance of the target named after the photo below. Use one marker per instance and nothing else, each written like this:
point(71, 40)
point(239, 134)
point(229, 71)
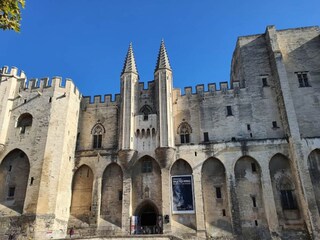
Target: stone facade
point(239, 161)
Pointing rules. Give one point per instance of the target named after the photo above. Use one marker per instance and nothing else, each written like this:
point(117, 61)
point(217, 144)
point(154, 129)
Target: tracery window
point(145, 111)
point(24, 121)
point(287, 194)
point(184, 130)
point(97, 132)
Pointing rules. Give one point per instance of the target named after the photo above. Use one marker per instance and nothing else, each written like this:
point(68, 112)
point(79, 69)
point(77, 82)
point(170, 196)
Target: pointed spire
point(163, 60)
point(130, 62)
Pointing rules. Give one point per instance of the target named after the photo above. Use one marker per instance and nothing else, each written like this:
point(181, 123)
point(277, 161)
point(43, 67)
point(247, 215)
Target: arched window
point(97, 131)
point(287, 194)
point(24, 121)
point(184, 130)
point(146, 110)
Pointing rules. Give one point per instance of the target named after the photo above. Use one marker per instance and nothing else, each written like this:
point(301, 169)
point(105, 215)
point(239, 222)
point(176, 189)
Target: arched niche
point(183, 204)
point(250, 198)
point(111, 194)
point(146, 182)
point(82, 193)
point(215, 198)
point(284, 190)
point(14, 174)
point(314, 170)
point(149, 220)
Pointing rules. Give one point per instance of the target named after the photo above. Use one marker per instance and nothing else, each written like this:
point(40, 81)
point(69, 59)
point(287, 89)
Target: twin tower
point(150, 113)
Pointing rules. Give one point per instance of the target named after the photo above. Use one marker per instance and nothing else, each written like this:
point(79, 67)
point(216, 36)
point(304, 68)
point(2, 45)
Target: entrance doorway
point(147, 219)
point(148, 216)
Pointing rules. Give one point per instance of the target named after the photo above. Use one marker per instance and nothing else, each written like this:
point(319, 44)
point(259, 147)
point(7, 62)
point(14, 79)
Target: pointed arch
point(111, 194)
point(245, 165)
point(181, 167)
point(14, 174)
point(215, 197)
point(146, 182)
point(182, 193)
point(314, 171)
point(82, 185)
point(249, 195)
point(145, 111)
point(184, 130)
point(283, 186)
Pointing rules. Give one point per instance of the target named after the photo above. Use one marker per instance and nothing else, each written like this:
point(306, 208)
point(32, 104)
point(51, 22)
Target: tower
point(128, 107)
point(163, 82)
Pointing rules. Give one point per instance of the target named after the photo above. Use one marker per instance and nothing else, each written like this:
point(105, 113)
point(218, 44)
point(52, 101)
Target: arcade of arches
point(146, 199)
point(147, 215)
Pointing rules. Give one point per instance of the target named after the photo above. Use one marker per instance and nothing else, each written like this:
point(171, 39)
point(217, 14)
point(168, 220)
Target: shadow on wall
point(14, 174)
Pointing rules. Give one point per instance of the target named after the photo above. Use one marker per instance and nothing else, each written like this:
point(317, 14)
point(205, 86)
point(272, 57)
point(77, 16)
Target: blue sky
point(87, 40)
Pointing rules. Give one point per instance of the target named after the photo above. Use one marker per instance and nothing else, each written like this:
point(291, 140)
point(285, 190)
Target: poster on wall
point(182, 194)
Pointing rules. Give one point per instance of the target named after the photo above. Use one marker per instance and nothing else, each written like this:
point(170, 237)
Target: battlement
point(41, 84)
point(149, 86)
point(12, 72)
point(101, 101)
point(211, 90)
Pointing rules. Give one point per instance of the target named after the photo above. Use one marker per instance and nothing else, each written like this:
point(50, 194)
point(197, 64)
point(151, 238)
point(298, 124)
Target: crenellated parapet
point(101, 101)
point(211, 90)
point(150, 86)
point(39, 85)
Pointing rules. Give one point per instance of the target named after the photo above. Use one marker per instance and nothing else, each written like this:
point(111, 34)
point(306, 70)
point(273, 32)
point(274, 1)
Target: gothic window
point(184, 130)
point(303, 79)
point(287, 194)
point(24, 121)
point(97, 132)
point(146, 166)
point(145, 111)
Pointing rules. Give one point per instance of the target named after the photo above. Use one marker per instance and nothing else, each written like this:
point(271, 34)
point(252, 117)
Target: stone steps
point(144, 237)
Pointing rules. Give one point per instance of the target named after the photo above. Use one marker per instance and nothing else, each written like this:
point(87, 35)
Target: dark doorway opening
point(148, 216)
point(148, 220)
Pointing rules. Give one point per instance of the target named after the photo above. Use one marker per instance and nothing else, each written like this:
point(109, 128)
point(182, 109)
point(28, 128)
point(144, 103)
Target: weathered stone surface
point(252, 150)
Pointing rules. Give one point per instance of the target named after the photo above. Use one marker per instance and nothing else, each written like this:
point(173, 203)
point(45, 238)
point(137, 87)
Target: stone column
point(233, 204)
point(268, 199)
point(96, 201)
point(126, 204)
point(201, 229)
point(166, 200)
point(126, 160)
point(165, 157)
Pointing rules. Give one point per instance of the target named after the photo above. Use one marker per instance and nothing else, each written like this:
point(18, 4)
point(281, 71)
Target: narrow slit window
point(253, 167)
point(218, 193)
point(254, 201)
point(274, 124)
point(229, 111)
point(11, 192)
point(31, 181)
point(206, 137)
point(120, 195)
point(248, 127)
point(264, 82)
point(223, 212)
